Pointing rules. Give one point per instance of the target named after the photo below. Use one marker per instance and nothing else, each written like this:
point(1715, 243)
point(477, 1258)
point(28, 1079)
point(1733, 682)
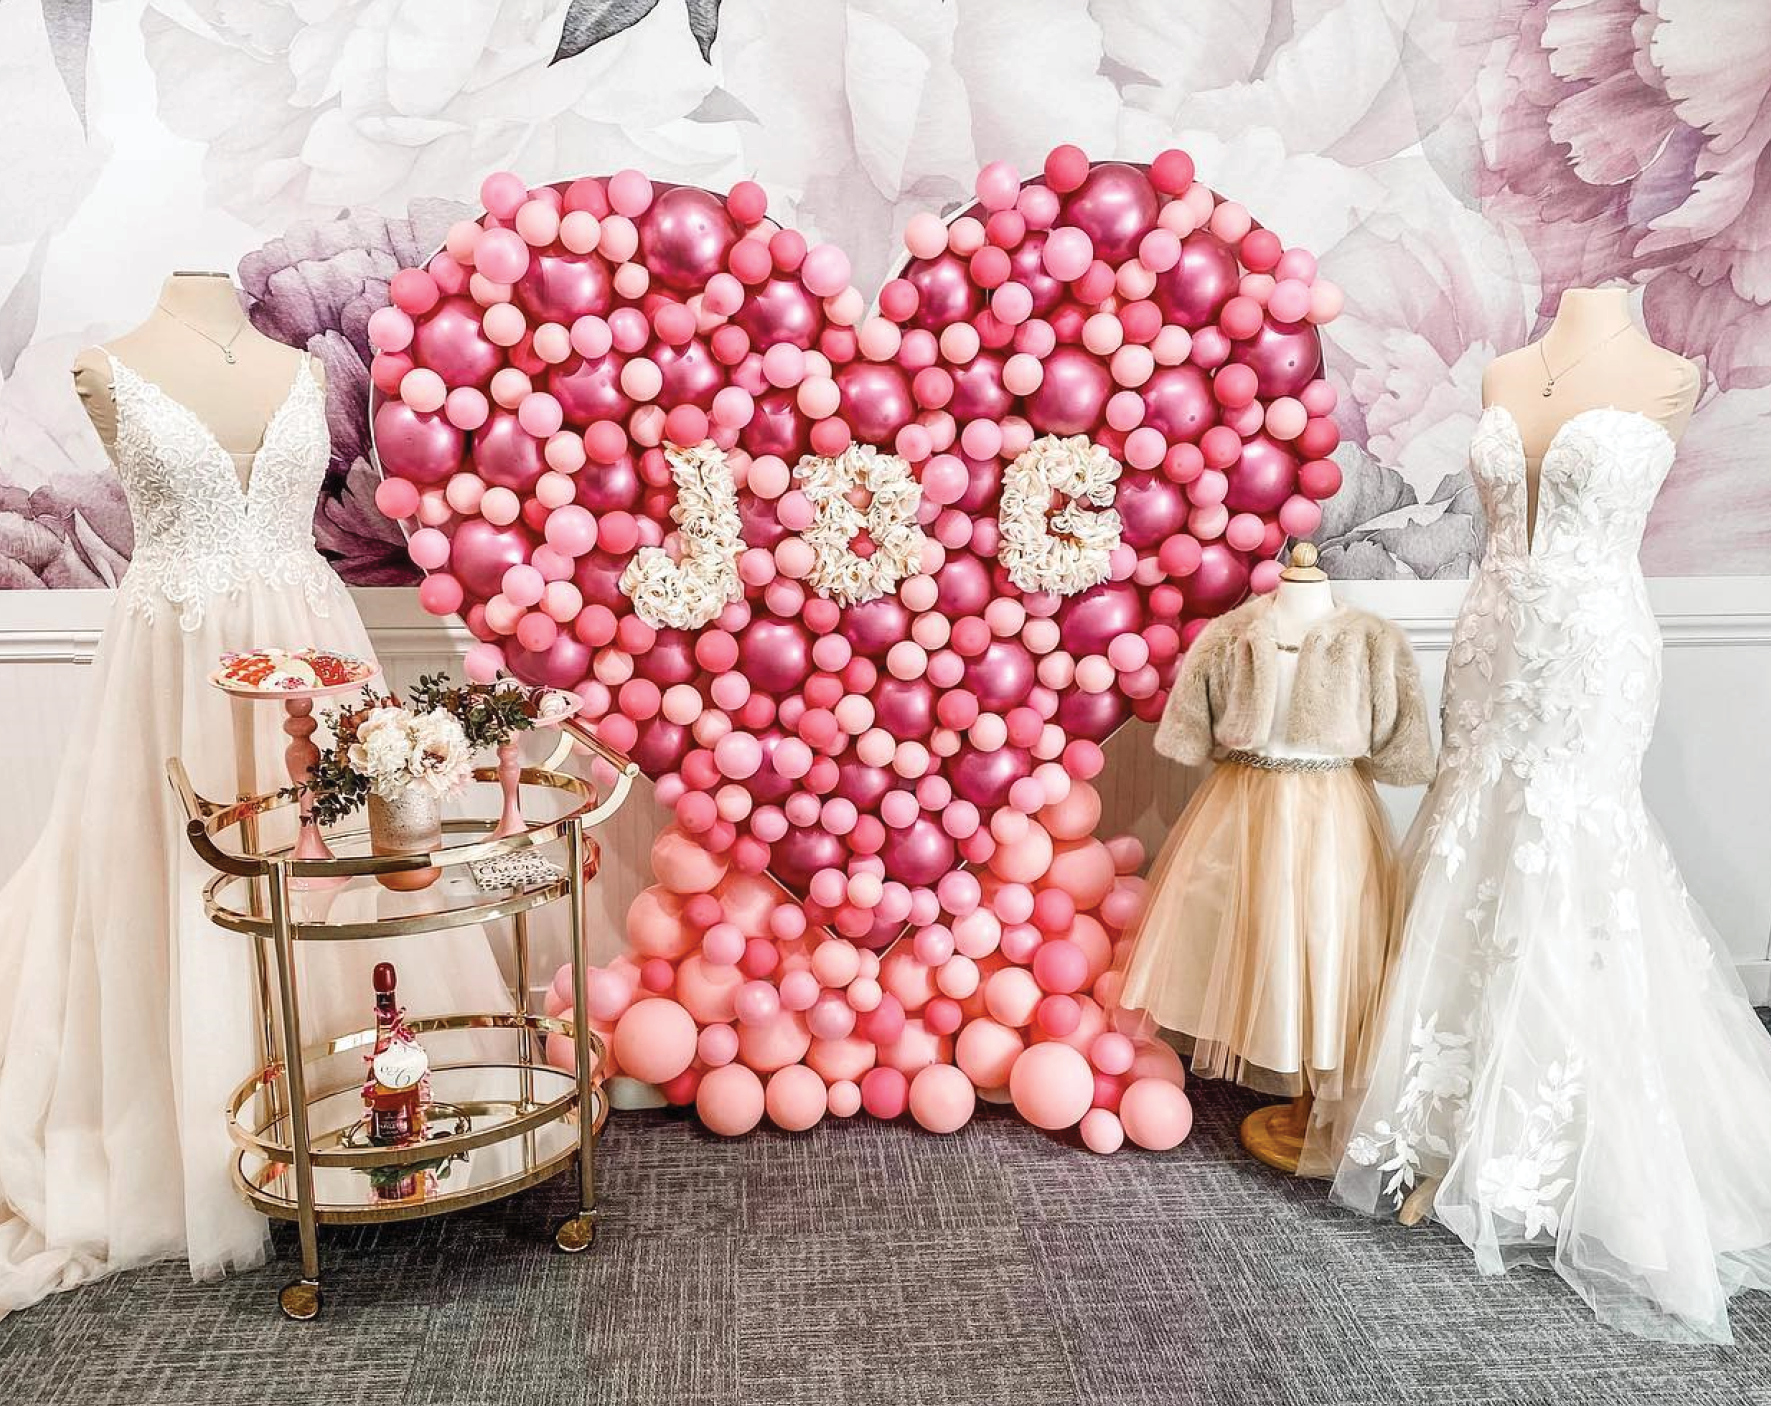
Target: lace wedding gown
point(126, 1018)
point(1560, 1042)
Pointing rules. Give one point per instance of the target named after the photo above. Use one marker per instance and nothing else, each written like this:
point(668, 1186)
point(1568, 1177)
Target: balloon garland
point(862, 591)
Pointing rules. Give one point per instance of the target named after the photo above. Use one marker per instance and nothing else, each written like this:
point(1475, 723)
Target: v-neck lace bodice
point(198, 531)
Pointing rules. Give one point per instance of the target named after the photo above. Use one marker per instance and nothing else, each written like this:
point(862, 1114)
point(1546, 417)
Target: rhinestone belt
point(1260, 761)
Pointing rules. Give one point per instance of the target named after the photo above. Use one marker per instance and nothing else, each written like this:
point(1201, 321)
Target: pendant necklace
point(226, 348)
point(1551, 377)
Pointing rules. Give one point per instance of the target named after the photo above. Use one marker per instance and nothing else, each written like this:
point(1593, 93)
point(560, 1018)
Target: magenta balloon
point(1115, 206)
point(597, 575)
point(560, 287)
point(661, 745)
point(945, 293)
point(919, 854)
point(449, 340)
point(984, 778)
point(1073, 395)
point(978, 392)
point(762, 527)
point(983, 484)
point(607, 488)
point(802, 852)
point(1027, 267)
point(1285, 356)
point(691, 375)
point(1088, 623)
point(1002, 676)
point(419, 445)
point(904, 707)
point(963, 586)
point(590, 390)
point(1151, 509)
point(480, 554)
point(506, 455)
point(775, 655)
point(876, 401)
point(780, 311)
point(1206, 277)
point(881, 935)
point(1092, 716)
point(1178, 402)
point(863, 784)
point(1219, 583)
point(563, 664)
point(670, 660)
point(685, 235)
point(768, 786)
point(1263, 478)
point(777, 427)
point(874, 626)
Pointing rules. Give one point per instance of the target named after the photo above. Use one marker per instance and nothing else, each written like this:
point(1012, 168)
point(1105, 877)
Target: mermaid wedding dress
point(126, 1018)
point(1560, 1044)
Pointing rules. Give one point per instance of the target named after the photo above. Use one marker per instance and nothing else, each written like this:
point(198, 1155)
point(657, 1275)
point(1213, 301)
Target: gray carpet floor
point(865, 1263)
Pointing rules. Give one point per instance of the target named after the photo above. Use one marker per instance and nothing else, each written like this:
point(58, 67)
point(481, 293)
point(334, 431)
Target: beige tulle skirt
point(1269, 921)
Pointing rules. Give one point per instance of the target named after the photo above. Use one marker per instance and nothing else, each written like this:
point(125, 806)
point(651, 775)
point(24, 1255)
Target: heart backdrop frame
point(863, 592)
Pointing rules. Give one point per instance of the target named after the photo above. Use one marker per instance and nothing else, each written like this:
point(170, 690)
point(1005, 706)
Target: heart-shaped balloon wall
point(864, 593)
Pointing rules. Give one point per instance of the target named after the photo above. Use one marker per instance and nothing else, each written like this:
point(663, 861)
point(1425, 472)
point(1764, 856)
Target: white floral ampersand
point(889, 520)
point(1068, 551)
point(688, 592)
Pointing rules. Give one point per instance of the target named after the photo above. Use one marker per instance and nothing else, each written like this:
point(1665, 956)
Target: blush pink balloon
point(1052, 1086)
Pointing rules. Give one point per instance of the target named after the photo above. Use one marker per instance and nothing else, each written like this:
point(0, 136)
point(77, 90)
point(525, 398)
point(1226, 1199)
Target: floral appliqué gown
point(1560, 1042)
point(126, 1018)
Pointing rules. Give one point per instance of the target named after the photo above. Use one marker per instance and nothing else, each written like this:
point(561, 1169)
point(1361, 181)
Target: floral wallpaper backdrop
point(1458, 163)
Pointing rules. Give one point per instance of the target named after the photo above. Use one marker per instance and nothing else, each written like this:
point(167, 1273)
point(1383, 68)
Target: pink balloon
point(450, 341)
point(1151, 509)
point(1115, 206)
point(985, 778)
point(685, 236)
point(1284, 356)
point(945, 292)
point(418, 445)
point(730, 1100)
point(1102, 1132)
point(876, 400)
point(1073, 395)
point(589, 390)
point(1264, 477)
point(506, 455)
point(655, 1040)
point(781, 310)
point(986, 1051)
point(1178, 402)
point(1052, 1086)
point(1194, 291)
point(1156, 1114)
point(480, 554)
point(795, 1097)
point(941, 1098)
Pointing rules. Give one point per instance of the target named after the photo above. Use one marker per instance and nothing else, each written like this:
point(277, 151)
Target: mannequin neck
point(1297, 605)
point(208, 301)
point(1588, 315)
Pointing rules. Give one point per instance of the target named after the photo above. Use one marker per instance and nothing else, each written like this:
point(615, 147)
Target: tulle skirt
point(1269, 919)
point(126, 1018)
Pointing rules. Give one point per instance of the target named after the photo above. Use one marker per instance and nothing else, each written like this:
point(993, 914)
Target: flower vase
point(409, 823)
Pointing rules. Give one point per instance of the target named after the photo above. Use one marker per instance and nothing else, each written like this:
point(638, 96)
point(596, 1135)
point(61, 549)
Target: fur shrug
point(1357, 693)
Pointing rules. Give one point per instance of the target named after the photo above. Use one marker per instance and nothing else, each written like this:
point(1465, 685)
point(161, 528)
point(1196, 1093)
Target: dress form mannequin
point(180, 349)
point(1592, 356)
point(1275, 1133)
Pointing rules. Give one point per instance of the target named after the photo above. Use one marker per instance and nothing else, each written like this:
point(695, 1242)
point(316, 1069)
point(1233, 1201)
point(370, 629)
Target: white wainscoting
point(1706, 779)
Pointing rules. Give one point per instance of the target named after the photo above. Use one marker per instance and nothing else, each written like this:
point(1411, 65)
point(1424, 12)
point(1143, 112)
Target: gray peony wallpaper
point(1456, 164)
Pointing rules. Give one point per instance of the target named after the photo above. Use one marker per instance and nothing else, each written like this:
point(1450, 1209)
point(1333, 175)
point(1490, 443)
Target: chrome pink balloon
point(905, 707)
point(449, 340)
point(1088, 623)
point(963, 585)
point(607, 488)
point(691, 375)
point(1178, 402)
point(1263, 478)
point(590, 390)
point(1220, 581)
point(920, 853)
point(984, 778)
point(563, 664)
point(775, 655)
point(597, 575)
point(506, 455)
point(803, 851)
point(480, 554)
point(777, 427)
point(1002, 676)
point(874, 626)
point(562, 287)
point(671, 659)
point(862, 784)
point(419, 445)
point(1284, 355)
point(1151, 509)
point(978, 392)
point(1027, 267)
point(1073, 395)
point(945, 292)
point(661, 746)
point(685, 235)
point(1194, 291)
point(779, 311)
point(1115, 207)
point(1094, 716)
point(876, 400)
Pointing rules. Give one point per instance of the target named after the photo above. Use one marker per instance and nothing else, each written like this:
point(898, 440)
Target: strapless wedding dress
point(1560, 1042)
point(126, 1018)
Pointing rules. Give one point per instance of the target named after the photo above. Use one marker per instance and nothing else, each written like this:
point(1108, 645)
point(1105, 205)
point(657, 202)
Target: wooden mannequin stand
point(1275, 1134)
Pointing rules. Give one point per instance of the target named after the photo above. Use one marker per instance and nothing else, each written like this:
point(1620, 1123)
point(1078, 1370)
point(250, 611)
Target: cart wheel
point(576, 1232)
point(300, 1299)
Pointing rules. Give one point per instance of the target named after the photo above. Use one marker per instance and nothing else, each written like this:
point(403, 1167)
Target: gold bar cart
point(503, 1119)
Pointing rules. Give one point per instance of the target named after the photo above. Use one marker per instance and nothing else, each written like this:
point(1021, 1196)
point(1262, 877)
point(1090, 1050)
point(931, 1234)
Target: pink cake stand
point(301, 754)
point(510, 820)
